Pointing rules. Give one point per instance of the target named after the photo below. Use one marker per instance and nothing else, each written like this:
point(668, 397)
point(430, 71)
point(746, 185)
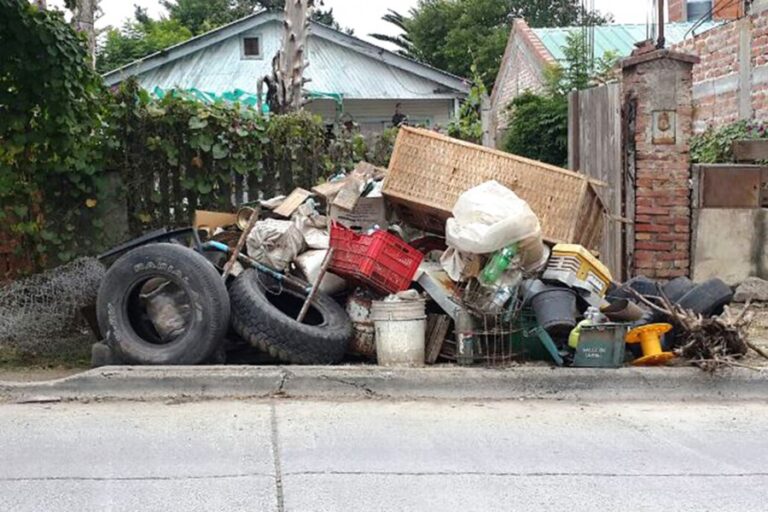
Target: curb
point(324, 382)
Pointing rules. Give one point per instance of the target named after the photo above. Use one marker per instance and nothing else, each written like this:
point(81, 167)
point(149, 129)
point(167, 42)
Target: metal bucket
point(400, 332)
point(364, 334)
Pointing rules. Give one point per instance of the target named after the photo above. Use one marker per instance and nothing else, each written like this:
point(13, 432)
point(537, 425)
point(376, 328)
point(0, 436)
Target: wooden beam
point(750, 150)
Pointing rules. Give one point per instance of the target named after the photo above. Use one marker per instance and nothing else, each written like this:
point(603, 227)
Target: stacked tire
point(259, 308)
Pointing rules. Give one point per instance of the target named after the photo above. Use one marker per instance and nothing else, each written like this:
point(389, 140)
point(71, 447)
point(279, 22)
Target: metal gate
point(595, 148)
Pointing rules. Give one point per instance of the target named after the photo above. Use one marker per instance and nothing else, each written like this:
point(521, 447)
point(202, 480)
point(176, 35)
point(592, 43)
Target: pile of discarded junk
point(455, 254)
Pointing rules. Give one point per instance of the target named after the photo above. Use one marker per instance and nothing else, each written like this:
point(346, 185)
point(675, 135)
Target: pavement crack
point(132, 478)
point(285, 376)
point(276, 458)
point(365, 389)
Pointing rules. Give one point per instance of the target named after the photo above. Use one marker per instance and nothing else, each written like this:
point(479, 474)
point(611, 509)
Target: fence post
point(574, 139)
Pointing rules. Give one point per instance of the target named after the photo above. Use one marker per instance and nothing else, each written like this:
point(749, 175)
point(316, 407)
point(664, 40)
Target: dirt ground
point(758, 333)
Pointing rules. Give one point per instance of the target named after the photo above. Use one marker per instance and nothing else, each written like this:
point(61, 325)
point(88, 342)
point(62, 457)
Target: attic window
point(251, 47)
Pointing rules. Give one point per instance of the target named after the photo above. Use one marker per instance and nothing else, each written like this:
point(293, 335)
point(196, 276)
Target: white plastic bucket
point(400, 332)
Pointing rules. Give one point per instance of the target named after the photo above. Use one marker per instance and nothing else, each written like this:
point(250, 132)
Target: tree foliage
point(454, 34)
point(468, 125)
point(538, 123)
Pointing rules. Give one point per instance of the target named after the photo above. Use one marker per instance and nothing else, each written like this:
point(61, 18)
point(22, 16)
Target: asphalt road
point(383, 456)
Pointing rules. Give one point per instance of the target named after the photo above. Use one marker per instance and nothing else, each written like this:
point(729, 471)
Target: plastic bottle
point(498, 264)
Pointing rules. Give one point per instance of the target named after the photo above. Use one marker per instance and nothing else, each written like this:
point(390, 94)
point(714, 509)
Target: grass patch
point(71, 353)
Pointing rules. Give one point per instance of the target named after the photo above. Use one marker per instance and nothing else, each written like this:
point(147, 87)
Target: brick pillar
point(659, 84)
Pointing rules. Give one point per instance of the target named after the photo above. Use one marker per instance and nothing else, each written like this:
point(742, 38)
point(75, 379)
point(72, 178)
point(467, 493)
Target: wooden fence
point(595, 148)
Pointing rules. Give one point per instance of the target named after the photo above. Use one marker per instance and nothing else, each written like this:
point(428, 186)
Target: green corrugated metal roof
point(618, 38)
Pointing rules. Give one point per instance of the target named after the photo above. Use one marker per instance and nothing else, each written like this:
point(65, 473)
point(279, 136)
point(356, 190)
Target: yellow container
point(575, 266)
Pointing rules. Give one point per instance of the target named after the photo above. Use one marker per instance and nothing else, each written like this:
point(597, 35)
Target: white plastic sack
point(488, 218)
point(275, 243)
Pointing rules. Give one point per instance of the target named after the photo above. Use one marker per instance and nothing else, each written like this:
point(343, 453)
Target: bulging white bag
point(488, 218)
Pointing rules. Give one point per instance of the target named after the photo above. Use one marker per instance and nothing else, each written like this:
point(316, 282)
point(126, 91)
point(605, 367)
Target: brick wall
point(522, 69)
point(660, 83)
point(731, 80)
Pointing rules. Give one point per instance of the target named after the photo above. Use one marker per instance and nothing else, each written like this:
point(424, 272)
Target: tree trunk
point(287, 80)
point(84, 21)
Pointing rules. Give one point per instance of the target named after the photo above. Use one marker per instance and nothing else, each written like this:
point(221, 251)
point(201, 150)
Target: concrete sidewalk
point(355, 382)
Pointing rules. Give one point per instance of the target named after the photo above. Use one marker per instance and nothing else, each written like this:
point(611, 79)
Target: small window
point(251, 48)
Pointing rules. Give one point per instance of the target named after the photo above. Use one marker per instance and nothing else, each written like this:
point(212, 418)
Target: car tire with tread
point(202, 286)
point(677, 288)
point(707, 298)
point(264, 313)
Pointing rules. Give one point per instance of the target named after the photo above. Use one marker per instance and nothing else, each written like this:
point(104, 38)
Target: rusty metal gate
point(595, 148)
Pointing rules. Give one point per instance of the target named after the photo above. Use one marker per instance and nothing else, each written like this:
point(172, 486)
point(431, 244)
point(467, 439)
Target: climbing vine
point(50, 132)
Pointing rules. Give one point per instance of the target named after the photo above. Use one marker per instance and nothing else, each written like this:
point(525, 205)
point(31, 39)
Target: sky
point(363, 15)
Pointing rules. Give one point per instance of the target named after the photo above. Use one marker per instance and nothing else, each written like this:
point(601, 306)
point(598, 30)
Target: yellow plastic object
point(649, 338)
point(576, 266)
point(575, 335)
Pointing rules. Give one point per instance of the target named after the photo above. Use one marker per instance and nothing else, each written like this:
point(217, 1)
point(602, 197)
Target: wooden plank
point(437, 329)
point(600, 157)
point(750, 150)
point(573, 131)
point(292, 202)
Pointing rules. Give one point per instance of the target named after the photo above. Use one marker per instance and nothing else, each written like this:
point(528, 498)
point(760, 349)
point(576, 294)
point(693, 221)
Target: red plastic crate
point(381, 260)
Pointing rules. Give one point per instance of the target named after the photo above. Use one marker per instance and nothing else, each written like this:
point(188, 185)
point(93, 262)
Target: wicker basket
point(429, 171)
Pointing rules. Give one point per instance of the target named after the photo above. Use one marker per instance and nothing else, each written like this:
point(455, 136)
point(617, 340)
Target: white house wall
point(376, 115)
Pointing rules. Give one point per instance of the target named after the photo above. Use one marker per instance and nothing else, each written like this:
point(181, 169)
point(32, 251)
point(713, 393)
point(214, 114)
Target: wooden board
point(437, 329)
point(595, 128)
point(750, 150)
point(292, 202)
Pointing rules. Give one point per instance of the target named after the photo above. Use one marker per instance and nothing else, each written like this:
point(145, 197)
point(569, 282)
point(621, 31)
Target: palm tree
point(402, 41)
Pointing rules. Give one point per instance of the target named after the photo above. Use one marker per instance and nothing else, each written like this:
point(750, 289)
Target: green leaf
point(195, 123)
point(204, 188)
point(220, 151)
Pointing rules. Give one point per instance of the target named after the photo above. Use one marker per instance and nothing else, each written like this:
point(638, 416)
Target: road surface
point(383, 456)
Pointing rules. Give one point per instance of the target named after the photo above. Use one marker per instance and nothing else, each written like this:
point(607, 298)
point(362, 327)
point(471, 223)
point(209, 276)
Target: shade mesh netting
point(43, 310)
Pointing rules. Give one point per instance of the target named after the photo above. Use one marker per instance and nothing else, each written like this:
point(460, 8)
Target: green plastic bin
point(601, 346)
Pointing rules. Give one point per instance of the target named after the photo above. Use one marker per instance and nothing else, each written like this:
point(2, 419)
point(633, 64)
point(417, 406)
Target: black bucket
point(555, 310)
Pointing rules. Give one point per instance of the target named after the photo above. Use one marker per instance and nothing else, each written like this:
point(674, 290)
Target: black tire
point(677, 288)
point(708, 298)
point(641, 284)
point(125, 325)
point(267, 319)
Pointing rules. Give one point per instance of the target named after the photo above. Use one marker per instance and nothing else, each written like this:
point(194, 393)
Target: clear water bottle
point(498, 264)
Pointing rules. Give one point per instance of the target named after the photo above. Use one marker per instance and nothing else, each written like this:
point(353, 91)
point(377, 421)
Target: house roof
point(339, 64)
point(617, 38)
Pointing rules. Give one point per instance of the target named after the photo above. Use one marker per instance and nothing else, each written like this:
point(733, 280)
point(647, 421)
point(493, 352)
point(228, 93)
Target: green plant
point(539, 128)
point(714, 146)
point(51, 122)
point(468, 126)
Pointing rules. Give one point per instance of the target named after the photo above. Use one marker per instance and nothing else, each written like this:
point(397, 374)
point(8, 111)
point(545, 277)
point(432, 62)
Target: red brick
point(650, 228)
point(654, 246)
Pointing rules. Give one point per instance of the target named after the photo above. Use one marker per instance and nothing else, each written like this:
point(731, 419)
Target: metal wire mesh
point(497, 329)
point(41, 311)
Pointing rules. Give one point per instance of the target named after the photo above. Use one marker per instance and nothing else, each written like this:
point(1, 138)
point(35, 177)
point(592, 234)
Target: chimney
point(676, 11)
